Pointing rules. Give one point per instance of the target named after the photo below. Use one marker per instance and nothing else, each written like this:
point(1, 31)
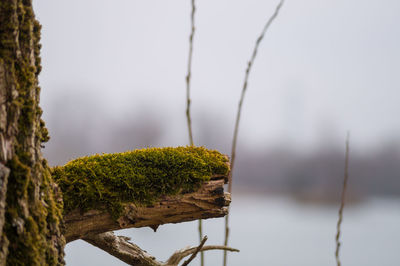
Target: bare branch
point(121, 248)
point(236, 130)
point(342, 201)
point(180, 254)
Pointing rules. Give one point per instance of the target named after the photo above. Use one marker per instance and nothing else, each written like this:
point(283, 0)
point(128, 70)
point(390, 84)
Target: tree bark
point(209, 201)
point(30, 207)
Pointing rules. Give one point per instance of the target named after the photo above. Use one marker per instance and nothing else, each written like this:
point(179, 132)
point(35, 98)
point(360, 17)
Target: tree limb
point(121, 248)
point(210, 201)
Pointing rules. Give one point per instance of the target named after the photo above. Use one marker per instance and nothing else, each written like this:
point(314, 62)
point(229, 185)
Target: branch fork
point(121, 248)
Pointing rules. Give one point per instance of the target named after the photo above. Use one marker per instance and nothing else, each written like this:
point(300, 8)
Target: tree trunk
point(30, 206)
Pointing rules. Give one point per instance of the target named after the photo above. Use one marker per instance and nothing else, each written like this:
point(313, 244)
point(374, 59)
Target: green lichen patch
point(139, 176)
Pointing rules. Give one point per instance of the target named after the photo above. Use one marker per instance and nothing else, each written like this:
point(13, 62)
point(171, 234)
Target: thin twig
point(189, 74)
point(236, 130)
point(188, 102)
point(244, 89)
point(186, 262)
point(200, 228)
point(226, 237)
point(180, 254)
point(342, 201)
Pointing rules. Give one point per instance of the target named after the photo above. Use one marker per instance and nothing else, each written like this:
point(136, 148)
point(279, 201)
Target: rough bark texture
point(4, 173)
point(209, 201)
point(30, 207)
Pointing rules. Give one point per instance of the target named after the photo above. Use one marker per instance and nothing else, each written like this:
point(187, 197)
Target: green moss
point(140, 176)
point(33, 215)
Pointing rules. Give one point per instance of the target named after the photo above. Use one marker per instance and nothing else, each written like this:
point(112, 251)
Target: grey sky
point(323, 68)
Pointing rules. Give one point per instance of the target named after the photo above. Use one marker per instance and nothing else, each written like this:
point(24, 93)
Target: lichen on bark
point(140, 176)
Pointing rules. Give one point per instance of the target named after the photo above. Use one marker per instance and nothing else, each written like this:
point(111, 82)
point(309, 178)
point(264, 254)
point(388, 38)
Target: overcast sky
point(325, 67)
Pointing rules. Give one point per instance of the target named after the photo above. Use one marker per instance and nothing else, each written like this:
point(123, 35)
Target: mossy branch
point(139, 176)
point(139, 188)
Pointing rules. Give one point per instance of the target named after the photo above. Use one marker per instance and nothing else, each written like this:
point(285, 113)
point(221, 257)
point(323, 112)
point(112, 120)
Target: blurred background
point(113, 80)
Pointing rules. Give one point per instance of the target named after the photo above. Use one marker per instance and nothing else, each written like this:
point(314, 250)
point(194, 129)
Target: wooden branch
point(121, 248)
point(210, 201)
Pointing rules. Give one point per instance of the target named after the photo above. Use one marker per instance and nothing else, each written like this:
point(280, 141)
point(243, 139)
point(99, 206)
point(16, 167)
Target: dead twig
point(180, 254)
point(342, 201)
point(121, 248)
point(196, 251)
point(188, 100)
point(236, 130)
point(189, 74)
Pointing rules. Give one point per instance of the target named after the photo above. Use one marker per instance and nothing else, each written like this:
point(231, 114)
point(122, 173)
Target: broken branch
point(210, 201)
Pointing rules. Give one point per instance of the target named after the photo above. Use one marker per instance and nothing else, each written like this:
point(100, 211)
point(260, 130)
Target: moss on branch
point(139, 176)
